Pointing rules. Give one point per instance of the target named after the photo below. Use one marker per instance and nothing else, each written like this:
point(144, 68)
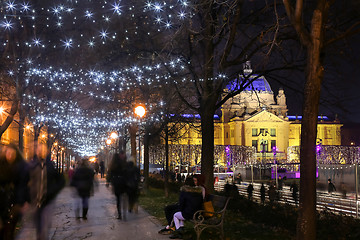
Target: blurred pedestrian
point(96, 167)
point(102, 168)
point(343, 189)
point(294, 188)
point(331, 186)
point(250, 190)
point(14, 177)
point(280, 183)
point(272, 193)
point(262, 194)
point(45, 184)
point(71, 172)
point(238, 178)
point(132, 185)
point(117, 178)
point(83, 181)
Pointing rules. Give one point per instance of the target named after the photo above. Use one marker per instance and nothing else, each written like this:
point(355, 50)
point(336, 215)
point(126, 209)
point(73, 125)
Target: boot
point(85, 210)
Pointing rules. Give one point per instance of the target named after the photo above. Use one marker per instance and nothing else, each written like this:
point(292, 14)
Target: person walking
point(14, 177)
point(45, 183)
point(272, 193)
point(96, 167)
point(250, 190)
point(102, 168)
point(83, 181)
point(117, 178)
point(331, 186)
point(262, 194)
point(295, 191)
point(132, 185)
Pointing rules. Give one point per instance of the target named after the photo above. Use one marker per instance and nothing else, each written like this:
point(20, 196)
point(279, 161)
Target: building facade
point(258, 118)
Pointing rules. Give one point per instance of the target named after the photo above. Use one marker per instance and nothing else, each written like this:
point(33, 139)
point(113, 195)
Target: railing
point(334, 202)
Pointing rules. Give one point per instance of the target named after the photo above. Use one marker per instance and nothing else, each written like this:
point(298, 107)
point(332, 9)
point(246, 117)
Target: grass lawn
point(236, 226)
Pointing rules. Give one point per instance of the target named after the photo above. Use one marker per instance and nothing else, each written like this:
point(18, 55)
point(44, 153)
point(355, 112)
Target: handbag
point(208, 207)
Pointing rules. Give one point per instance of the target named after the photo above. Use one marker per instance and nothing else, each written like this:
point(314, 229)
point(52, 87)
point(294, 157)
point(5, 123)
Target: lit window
point(254, 132)
point(273, 132)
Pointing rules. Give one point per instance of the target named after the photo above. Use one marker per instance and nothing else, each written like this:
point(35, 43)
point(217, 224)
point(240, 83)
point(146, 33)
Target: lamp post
point(115, 136)
point(140, 111)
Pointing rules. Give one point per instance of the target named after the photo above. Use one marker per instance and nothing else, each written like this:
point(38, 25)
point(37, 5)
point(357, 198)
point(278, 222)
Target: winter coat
point(14, 180)
point(83, 181)
point(117, 177)
point(331, 187)
point(190, 201)
point(132, 179)
point(45, 182)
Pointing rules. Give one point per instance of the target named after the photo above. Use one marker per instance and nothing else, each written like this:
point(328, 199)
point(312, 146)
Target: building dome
point(259, 83)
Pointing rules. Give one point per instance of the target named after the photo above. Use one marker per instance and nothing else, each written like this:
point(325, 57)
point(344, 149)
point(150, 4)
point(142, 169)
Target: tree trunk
point(36, 137)
point(57, 160)
point(306, 226)
point(166, 182)
point(21, 128)
point(10, 117)
point(132, 131)
point(146, 159)
point(207, 147)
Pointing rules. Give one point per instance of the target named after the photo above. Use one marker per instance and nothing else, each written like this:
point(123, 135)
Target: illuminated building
point(257, 118)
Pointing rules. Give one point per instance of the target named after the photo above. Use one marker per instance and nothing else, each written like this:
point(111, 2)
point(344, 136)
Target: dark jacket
point(48, 187)
point(83, 181)
point(190, 201)
point(132, 178)
point(117, 177)
point(14, 180)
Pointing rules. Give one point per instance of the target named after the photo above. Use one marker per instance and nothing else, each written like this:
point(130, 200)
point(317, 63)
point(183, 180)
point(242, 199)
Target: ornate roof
point(259, 83)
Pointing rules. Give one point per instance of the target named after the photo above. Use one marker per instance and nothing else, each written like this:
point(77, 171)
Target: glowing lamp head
point(1, 110)
point(108, 141)
point(114, 135)
point(140, 111)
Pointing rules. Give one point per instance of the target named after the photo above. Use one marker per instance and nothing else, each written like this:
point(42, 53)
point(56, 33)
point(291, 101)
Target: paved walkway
point(101, 224)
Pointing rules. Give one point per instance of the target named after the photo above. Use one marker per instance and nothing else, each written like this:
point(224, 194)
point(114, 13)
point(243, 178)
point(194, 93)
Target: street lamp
point(140, 111)
point(114, 135)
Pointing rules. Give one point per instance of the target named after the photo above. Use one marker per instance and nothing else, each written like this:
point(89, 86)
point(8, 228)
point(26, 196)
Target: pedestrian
point(190, 201)
point(14, 177)
point(280, 183)
point(45, 184)
point(132, 185)
point(262, 194)
point(117, 178)
point(96, 167)
point(331, 186)
point(71, 172)
point(250, 190)
point(272, 193)
point(83, 181)
point(295, 191)
point(343, 189)
point(238, 178)
point(102, 168)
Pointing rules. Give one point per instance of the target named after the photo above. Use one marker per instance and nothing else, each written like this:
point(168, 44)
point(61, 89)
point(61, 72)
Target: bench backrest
point(219, 202)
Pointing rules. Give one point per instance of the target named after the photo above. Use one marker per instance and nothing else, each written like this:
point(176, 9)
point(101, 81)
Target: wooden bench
point(216, 220)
